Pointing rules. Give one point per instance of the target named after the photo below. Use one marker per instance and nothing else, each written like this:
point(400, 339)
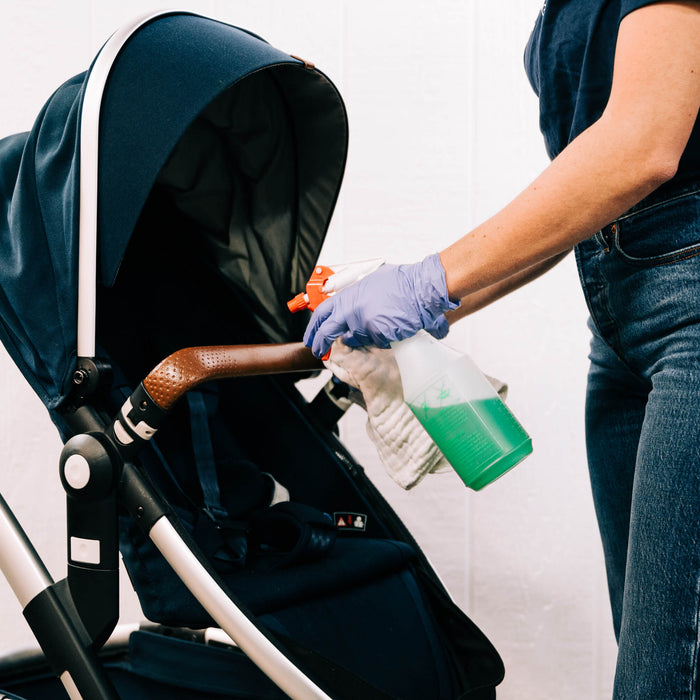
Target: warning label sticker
point(354, 521)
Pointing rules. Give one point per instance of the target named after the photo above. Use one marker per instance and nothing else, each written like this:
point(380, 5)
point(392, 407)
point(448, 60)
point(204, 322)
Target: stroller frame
point(202, 169)
point(95, 473)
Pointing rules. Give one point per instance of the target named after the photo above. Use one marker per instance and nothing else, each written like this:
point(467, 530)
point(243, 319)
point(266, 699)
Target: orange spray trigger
point(326, 281)
point(314, 294)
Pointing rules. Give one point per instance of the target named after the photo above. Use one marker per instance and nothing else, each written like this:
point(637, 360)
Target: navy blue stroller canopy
point(241, 138)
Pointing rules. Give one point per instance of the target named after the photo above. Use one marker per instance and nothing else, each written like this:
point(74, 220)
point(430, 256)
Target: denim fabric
point(641, 279)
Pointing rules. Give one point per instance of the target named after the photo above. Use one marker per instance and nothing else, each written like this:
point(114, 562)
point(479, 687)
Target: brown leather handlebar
point(185, 369)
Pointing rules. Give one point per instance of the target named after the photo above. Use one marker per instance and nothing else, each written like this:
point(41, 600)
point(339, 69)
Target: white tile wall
point(443, 133)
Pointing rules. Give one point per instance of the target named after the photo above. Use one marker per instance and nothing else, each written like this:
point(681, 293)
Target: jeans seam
point(660, 260)
point(614, 343)
point(659, 204)
point(602, 241)
point(584, 288)
point(692, 690)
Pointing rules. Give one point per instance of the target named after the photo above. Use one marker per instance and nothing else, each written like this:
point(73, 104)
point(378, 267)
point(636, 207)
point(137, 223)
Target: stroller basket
point(171, 200)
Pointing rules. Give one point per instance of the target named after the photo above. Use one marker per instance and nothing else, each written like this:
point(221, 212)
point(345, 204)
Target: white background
point(443, 131)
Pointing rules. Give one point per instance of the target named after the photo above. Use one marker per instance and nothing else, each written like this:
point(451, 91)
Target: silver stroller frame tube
point(270, 660)
point(89, 178)
point(19, 562)
point(43, 607)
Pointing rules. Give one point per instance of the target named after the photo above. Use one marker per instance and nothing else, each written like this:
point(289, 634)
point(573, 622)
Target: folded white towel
point(405, 448)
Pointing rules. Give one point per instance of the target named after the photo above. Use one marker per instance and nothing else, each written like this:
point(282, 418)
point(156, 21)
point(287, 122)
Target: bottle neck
point(420, 359)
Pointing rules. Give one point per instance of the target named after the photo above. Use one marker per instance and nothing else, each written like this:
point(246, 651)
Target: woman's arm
point(633, 148)
point(478, 300)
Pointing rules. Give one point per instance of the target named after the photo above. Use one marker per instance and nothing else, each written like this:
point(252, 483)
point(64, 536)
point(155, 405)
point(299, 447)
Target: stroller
point(166, 204)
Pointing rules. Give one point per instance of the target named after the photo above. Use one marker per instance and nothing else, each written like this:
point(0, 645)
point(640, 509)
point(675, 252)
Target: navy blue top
point(569, 61)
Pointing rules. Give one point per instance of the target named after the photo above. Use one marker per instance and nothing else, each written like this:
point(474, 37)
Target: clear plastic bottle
point(460, 410)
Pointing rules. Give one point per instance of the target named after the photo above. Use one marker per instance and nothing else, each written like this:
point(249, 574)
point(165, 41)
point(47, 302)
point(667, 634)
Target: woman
point(619, 89)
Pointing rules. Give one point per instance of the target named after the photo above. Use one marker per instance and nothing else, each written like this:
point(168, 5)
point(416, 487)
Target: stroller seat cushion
point(351, 562)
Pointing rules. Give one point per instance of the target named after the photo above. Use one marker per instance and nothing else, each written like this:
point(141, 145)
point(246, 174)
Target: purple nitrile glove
point(392, 303)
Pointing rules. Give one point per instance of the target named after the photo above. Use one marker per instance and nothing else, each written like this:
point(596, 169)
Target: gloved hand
point(392, 303)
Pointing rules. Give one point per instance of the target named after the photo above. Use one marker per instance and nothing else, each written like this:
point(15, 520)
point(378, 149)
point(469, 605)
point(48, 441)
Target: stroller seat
point(350, 563)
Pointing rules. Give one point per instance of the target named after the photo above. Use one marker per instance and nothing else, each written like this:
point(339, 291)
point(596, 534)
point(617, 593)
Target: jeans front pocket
point(662, 233)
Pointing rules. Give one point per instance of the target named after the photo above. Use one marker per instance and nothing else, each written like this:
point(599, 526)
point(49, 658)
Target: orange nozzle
point(299, 303)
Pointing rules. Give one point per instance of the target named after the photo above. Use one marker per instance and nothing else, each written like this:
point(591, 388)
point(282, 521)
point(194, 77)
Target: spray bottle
point(445, 390)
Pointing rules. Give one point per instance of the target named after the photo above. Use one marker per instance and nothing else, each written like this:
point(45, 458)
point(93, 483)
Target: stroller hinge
point(88, 376)
point(89, 471)
point(136, 423)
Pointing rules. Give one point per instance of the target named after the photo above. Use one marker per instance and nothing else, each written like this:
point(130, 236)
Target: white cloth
point(405, 448)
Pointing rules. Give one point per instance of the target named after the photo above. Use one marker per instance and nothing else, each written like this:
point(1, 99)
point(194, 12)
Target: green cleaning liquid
point(481, 439)
point(460, 410)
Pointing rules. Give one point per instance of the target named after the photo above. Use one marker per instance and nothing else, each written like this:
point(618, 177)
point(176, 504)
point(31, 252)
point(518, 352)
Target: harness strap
point(204, 456)
point(283, 534)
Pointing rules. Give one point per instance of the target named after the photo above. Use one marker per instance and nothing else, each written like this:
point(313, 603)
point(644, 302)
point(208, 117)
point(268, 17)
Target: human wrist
point(432, 286)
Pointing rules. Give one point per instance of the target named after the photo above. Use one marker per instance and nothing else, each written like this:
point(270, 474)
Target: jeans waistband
point(666, 192)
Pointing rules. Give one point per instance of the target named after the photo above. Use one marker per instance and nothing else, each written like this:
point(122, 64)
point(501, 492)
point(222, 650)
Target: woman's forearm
point(478, 300)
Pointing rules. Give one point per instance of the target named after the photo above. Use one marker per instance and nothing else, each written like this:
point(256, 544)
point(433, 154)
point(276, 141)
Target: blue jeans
point(641, 279)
